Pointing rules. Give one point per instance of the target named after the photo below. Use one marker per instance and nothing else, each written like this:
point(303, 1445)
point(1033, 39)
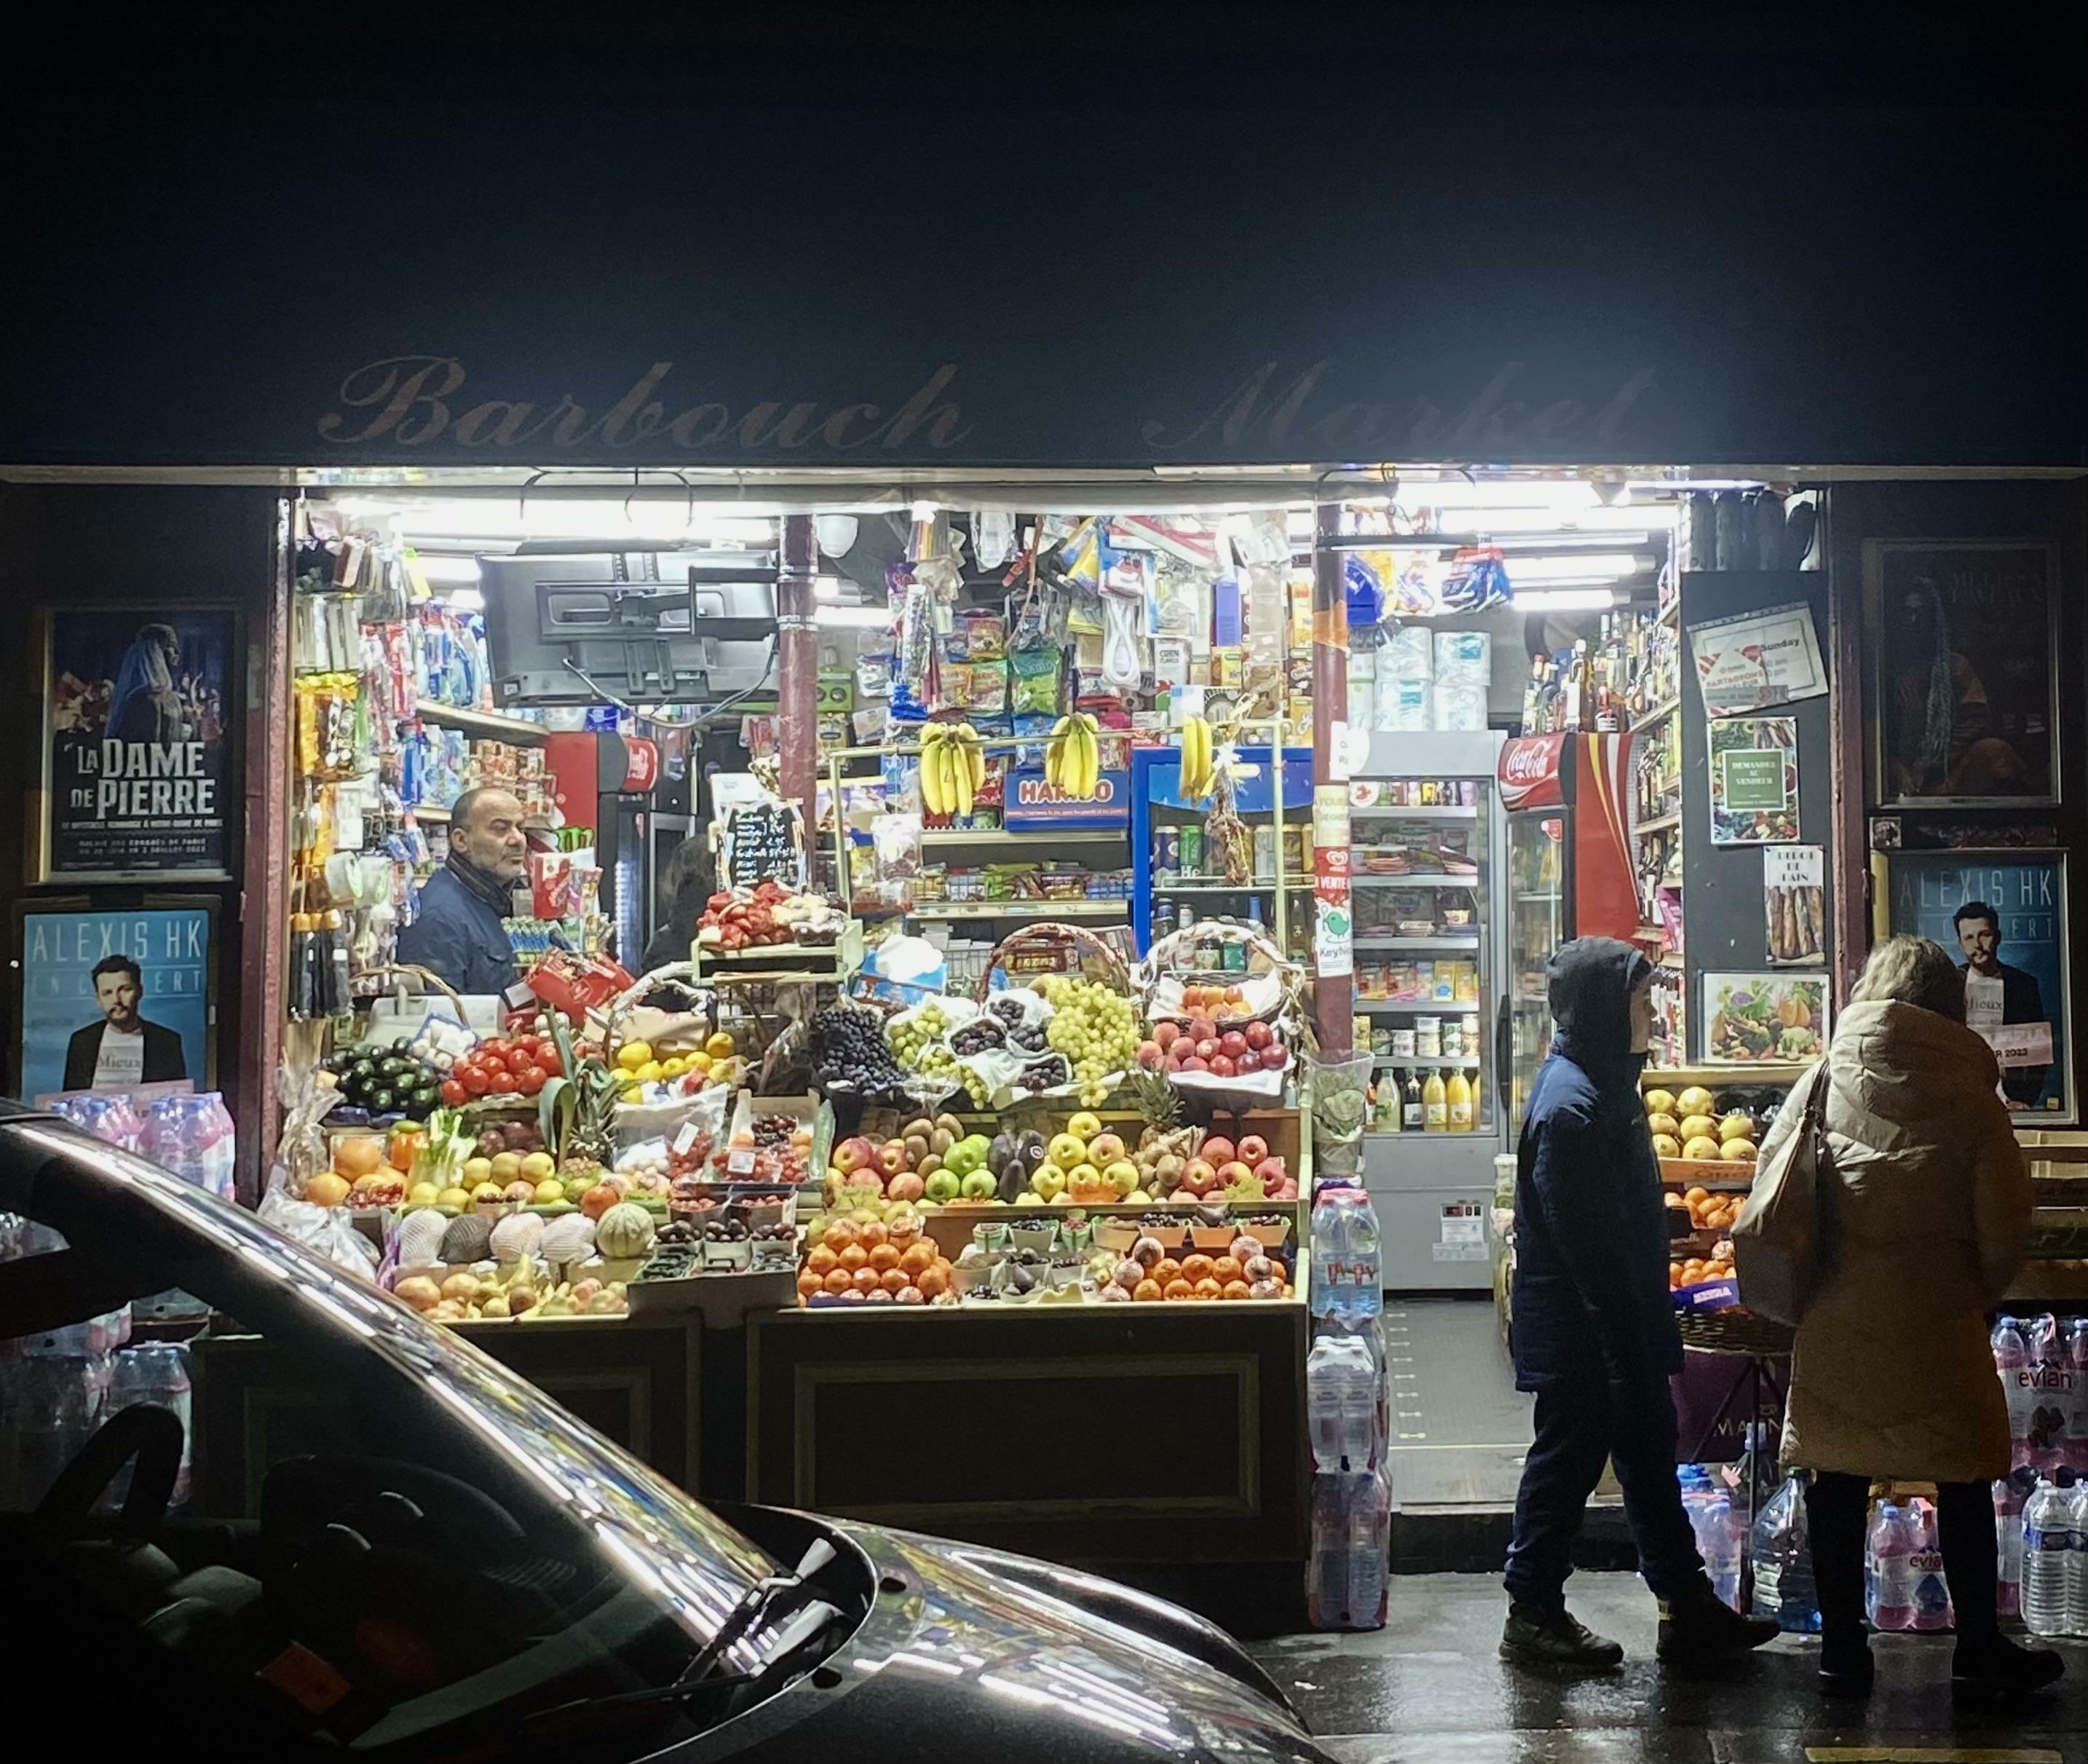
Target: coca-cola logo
point(1527, 761)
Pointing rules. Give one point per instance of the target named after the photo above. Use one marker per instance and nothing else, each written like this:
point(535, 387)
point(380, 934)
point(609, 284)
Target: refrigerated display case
point(1569, 875)
point(1425, 832)
point(1170, 875)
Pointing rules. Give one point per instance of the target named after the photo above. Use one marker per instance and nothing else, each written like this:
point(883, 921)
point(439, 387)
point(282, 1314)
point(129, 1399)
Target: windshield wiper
point(763, 1602)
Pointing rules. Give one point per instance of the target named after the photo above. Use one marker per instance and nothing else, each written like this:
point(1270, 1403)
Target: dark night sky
point(1829, 233)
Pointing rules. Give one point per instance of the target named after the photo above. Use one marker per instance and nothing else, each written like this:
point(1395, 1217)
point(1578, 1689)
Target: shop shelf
point(1257, 886)
point(1661, 823)
point(1659, 713)
point(992, 909)
point(483, 726)
point(1434, 811)
point(980, 835)
point(1712, 1077)
point(429, 811)
point(1416, 942)
point(1410, 1007)
point(1378, 879)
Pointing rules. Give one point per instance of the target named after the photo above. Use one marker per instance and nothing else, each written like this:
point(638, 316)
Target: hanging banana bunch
point(952, 768)
point(1073, 756)
point(1199, 761)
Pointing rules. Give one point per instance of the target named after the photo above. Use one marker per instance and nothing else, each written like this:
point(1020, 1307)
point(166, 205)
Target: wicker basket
point(1050, 946)
point(1735, 1330)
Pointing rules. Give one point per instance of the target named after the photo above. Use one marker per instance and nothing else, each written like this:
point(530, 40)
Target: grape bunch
point(1094, 1028)
point(938, 1062)
point(849, 1052)
point(911, 1033)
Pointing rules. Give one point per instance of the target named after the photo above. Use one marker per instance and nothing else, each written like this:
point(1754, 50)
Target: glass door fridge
point(1568, 874)
point(1426, 833)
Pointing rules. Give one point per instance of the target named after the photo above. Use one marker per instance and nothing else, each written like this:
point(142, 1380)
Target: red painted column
point(798, 671)
point(1333, 960)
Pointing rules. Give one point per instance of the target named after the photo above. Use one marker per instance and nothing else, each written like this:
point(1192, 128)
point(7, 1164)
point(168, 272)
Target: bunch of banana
point(1199, 772)
point(952, 768)
point(1073, 756)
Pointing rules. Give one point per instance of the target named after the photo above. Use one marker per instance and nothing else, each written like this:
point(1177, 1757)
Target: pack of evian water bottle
point(2043, 1368)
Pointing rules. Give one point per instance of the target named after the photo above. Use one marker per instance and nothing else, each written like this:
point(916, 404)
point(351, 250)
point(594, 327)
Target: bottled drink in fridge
point(1932, 1590)
point(1888, 1569)
point(2048, 1544)
point(1780, 1554)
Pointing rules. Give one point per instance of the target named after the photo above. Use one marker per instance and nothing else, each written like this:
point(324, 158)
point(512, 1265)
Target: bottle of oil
point(1435, 1105)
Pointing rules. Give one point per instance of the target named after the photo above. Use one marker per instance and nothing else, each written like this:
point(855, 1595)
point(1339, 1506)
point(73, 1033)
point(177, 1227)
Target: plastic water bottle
point(2010, 1494)
point(156, 1372)
point(2077, 1556)
point(2047, 1545)
point(2077, 1419)
point(1327, 1566)
point(1370, 1549)
point(2012, 1364)
point(1722, 1541)
point(2051, 1392)
point(1781, 1553)
point(1347, 1282)
point(1931, 1590)
point(1340, 1398)
point(1889, 1576)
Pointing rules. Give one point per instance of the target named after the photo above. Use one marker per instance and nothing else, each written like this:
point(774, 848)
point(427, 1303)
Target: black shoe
point(1533, 1637)
point(1993, 1666)
point(1847, 1669)
point(1699, 1627)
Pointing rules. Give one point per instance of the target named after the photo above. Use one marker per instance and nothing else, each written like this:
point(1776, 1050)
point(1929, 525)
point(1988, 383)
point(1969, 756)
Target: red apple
point(1165, 1032)
point(1235, 1172)
point(1217, 1149)
point(1232, 1044)
point(1199, 1177)
point(907, 1186)
point(852, 1154)
point(1271, 1169)
point(1206, 1049)
point(1253, 1148)
point(1178, 1056)
point(1250, 1061)
point(1185, 1196)
point(1150, 1054)
point(1221, 1067)
point(1275, 1057)
point(1259, 1035)
point(892, 1159)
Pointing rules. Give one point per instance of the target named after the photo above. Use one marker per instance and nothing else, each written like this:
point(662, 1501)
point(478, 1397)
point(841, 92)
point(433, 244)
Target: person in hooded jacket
point(1593, 1327)
point(1928, 1220)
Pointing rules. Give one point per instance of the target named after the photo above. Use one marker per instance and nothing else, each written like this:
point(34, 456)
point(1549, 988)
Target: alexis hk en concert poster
point(137, 782)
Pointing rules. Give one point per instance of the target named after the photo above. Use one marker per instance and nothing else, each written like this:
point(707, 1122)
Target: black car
point(454, 1569)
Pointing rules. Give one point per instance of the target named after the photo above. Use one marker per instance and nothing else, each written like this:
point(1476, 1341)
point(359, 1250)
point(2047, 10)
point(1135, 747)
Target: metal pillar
point(798, 671)
point(1333, 960)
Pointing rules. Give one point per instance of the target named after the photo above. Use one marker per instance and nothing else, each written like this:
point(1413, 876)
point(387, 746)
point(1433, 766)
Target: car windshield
point(428, 1539)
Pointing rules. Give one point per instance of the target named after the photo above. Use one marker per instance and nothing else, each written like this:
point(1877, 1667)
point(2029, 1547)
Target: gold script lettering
point(381, 383)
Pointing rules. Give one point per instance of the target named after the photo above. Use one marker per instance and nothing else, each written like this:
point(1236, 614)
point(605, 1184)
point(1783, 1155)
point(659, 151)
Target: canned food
point(1190, 850)
point(1167, 852)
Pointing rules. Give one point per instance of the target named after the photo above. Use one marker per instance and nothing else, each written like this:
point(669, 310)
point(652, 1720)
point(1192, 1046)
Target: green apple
point(1067, 1150)
point(1138, 1197)
point(1121, 1175)
point(1049, 1182)
point(980, 1185)
point(944, 1187)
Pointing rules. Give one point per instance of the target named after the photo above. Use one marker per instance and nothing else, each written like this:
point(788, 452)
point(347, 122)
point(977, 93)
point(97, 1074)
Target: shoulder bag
point(1783, 1241)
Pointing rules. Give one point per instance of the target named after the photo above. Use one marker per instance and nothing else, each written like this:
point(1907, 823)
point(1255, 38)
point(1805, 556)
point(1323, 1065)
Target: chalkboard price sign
point(764, 841)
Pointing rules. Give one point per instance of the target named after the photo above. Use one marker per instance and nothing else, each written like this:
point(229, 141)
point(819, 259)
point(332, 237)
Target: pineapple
point(1158, 1103)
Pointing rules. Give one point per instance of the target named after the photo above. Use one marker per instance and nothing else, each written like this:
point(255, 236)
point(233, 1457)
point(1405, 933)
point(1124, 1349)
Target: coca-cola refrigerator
point(1568, 874)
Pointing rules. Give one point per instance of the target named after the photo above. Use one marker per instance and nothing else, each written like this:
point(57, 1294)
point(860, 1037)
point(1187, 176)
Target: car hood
point(971, 1653)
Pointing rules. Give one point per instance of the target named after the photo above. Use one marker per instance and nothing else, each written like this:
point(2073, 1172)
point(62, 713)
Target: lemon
point(635, 1094)
point(721, 1046)
point(700, 1061)
point(633, 1054)
point(647, 1073)
point(673, 1069)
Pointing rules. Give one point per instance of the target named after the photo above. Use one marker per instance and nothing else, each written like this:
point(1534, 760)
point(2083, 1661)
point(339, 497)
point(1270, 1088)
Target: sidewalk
point(1428, 1689)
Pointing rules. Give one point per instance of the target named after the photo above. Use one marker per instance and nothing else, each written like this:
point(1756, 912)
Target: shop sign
point(1754, 781)
point(1034, 805)
point(1530, 772)
point(1755, 659)
point(1334, 913)
point(137, 745)
point(764, 842)
point(116, 1000)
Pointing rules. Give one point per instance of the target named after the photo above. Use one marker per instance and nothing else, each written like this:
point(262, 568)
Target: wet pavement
point(1429, 1689)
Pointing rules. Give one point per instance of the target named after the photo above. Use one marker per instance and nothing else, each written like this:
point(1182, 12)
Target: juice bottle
point(1435, 1105)
point(1478, 1114)
point(1457, 1097)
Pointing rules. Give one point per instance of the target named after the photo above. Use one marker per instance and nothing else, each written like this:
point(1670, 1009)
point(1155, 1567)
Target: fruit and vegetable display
point(1222, 1006)
point(766, 917)
point(1148, 1273)
point(872, 1262)
point(1694, 1127)
point(525, 1292)
point(502, 1066)
point(1691, 1125)
point(650, 1075)
point(401, 1079)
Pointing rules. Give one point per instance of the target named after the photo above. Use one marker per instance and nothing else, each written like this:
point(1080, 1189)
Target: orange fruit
point(837, 1280)
point(933, 1282)
point(808, 1283)
point(838, 1235)
point(819, 1259)
point(1167, 1269)
point(1695, 1196)
point(853, 1256)
point(892, 1280)
point(1196, 1268)
point(1207, 1288)
point(864, 1279)
point(884, 1256)
point(871, 1236)
point(1177, 1289)
point(1225, 1270)
point(916, 1258)
point(1146, 1291)
point(1235, 1289)
point(358, 1156)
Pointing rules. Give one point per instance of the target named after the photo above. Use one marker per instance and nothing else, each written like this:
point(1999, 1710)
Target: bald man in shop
point(460, 928)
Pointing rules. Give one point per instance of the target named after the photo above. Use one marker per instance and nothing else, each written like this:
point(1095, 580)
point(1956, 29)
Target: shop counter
point(1099, 1435)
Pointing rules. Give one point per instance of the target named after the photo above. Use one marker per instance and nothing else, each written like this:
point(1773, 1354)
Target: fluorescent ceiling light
point(1584, 565)
point(435, 567)
point(1552, 493)
point(464, 600)
point(645, 514)
point(1566, 599)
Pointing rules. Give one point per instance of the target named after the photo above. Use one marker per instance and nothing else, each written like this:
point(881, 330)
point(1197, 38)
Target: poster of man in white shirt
point(124, 1049)
point(2005, 1004)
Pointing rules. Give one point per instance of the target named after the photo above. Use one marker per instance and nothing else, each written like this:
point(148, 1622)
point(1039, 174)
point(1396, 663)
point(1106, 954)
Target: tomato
point(454, 1092)
point(475, 1082)
point(492, 1059)
point(501, 1084)
point(531, 1079)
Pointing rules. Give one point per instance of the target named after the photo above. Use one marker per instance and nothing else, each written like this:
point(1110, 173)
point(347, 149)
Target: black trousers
point(1837, 1505)
point(1581, 1425)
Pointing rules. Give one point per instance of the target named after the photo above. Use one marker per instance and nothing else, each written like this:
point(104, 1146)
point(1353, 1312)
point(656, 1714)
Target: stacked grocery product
point(1348, 1406)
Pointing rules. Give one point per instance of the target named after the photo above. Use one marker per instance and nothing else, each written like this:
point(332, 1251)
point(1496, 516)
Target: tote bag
point(1783, 1240)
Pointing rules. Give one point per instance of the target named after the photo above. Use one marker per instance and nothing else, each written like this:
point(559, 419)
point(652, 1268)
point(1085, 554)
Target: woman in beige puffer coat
point(1893, 1375)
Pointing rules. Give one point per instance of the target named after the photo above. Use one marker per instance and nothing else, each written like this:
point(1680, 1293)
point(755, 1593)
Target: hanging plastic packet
point(1365, 588)
point(1477, 578)
point(914, 654)
point(1080, 556)
point(1124, 594)
point(993, 539)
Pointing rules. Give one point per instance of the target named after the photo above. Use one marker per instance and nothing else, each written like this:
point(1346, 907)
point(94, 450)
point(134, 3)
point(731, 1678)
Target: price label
point(764, 841)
